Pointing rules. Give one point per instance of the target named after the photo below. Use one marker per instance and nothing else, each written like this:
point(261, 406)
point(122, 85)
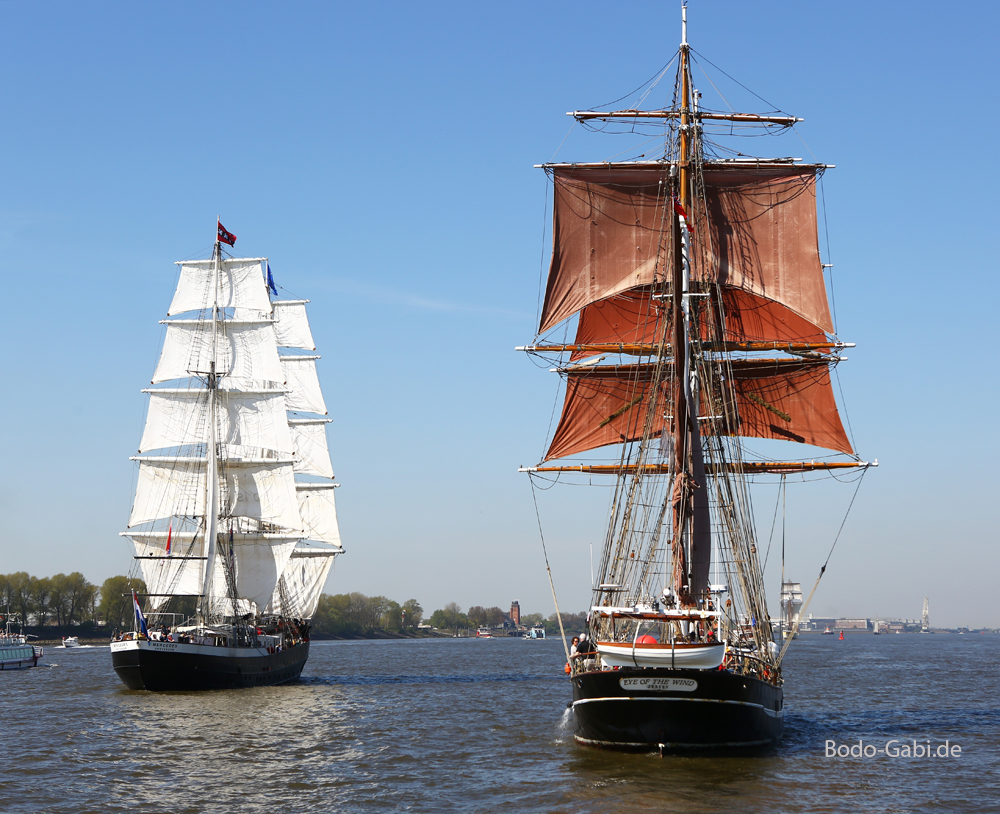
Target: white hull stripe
point(770, 712)
point(189, 649)
point(672, 745)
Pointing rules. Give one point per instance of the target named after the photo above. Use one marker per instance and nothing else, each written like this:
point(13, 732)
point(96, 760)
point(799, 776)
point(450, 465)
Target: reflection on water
point(465, 725)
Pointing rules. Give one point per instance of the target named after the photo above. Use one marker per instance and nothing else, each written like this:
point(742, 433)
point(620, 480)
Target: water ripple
point(466, 726)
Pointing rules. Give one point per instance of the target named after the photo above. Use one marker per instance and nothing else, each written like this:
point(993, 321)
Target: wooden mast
point(211, 452)
point(682, 436)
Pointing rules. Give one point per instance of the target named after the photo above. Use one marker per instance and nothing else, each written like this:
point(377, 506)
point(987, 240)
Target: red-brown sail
point(611, 229)
point(787, 399)
point(634, 317)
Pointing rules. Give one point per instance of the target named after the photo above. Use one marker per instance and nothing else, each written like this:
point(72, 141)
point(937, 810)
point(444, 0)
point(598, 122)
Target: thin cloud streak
point(395, 296)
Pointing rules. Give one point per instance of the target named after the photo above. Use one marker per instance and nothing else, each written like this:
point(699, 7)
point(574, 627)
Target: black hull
point(182, 668)
point(649, 709)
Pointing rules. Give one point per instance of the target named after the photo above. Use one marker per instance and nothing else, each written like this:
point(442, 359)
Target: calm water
point(470, 726)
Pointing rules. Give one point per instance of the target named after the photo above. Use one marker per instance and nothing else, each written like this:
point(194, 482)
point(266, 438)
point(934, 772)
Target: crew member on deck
point(586, 647)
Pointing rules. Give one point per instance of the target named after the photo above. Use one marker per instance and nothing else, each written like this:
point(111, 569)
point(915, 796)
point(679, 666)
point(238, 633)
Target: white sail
point(178, 417)
point(168, 488)
point(241, 285)
point(259, 563)
point(303, 581)
point(259, 559)
point(244, 349)
point(247, 523)
point(318, 511)
point(312, 452)
point(259, 489)
point(169, 575)
point(303, 384)
point(292, 324)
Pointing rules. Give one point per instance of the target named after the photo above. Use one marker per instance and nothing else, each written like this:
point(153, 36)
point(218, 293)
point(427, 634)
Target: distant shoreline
point(318, 637)
point(387, 634)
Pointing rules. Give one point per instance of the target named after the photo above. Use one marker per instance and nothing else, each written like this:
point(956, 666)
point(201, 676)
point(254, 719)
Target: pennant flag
point(224, 236)
point(170, 534)
point(270, 281)
point(684, 219)
point(138, 615)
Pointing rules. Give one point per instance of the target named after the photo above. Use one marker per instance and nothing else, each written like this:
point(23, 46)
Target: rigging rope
point(822, 570)
point(538, 517)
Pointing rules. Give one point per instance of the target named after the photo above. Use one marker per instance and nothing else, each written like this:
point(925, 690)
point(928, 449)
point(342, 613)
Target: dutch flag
point(138, 615)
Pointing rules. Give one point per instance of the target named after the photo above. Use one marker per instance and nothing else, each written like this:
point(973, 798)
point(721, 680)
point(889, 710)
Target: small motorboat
point(70, 641)
point(15, 651)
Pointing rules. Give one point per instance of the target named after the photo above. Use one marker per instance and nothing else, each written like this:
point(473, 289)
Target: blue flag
point(270, 281)
point(139, 617)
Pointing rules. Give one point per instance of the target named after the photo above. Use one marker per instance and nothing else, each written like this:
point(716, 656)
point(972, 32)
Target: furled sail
point(611, 233)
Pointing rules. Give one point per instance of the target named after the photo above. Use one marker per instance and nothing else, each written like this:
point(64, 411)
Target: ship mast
point(689, 528)
point(689, 296)
point(211, 453)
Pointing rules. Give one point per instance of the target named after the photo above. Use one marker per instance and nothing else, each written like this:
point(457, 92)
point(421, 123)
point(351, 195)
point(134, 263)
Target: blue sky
point(381, 156)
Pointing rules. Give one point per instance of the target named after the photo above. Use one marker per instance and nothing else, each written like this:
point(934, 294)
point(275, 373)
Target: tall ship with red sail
point(696, 287)
point(234, 522)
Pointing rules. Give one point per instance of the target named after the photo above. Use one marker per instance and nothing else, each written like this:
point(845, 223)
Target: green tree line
point(451, 618)
point(355, 614)
point(67, 599)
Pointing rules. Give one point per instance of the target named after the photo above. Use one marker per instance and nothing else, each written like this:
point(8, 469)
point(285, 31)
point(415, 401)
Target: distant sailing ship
point(701, 275)
point(791, 604)
point(234, 504)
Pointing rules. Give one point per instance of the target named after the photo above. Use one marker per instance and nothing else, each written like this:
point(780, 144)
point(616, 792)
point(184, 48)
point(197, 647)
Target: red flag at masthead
point(680, 211)
point(224, 236)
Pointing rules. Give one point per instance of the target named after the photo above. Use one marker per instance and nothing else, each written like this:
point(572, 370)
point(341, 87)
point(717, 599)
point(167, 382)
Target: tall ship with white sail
point(234, 521)
point(696, 288)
